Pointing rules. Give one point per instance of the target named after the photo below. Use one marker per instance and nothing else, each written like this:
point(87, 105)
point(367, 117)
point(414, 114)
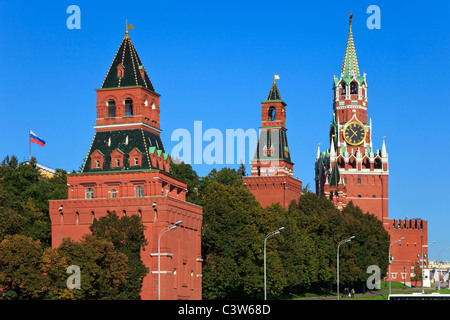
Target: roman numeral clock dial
point(354, 133)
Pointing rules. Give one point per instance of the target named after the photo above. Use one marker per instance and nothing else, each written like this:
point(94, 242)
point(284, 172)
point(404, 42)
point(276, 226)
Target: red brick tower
point(271, 178)
point(352, 170)
point(128, 171)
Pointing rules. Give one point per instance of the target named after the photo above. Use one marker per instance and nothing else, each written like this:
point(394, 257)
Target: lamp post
point(439, 268)
point(390, 261)
point(166, 229)
point(339, 244)
point(424, 245)
point(270, 234)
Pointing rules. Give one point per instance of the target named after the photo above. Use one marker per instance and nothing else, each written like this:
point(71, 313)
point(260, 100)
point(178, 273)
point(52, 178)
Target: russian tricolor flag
point(34, 138)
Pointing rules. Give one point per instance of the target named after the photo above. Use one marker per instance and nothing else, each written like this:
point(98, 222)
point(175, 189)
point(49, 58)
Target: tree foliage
point(127, 236)
point(24, 195)
point(302, 258)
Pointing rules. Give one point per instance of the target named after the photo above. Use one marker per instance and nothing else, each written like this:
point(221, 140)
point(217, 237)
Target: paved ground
point(357, 295)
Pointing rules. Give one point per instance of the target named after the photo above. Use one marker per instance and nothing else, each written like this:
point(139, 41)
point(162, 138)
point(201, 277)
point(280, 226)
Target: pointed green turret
point(350, 68)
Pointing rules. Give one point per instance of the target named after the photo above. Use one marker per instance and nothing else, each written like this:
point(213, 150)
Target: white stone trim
point(161, 254)
point(127, 125)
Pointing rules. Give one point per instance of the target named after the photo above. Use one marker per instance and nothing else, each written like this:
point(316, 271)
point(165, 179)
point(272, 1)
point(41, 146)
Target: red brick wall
point(273, 189)
point(182, 266)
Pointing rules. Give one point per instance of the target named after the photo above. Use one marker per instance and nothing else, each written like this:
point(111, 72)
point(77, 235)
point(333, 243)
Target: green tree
point(127, 236)
point(20, 268)
point(184, 172)
point(231, 241)
point(103, 270)
point(24, 195)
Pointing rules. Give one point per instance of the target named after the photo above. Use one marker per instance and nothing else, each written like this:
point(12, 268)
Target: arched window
point(343, 90)
point(377, 164)
point(89, 193)
point(341, 163)
point(113, 193)
point(272, 114)
point(139, 192)
point(352, 163)
point(353, 88)
point(128, 107)
point(366, 163)
point(111, 109)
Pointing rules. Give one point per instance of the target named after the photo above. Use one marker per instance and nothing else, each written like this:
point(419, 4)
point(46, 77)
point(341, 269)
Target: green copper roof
point(350, 66)
point(125, 141)
point(128, 58)
point(335, 176)
point(275, 138)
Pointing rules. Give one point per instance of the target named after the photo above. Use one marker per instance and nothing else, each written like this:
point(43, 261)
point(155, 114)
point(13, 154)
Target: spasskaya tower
point(352, 169)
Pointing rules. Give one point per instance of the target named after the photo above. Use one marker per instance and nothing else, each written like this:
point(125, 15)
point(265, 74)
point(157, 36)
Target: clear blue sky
point(214, 61)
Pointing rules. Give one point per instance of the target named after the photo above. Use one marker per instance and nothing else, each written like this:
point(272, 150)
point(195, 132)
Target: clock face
point(354, 133)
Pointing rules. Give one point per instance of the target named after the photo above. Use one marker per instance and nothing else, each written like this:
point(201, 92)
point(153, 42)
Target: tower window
point(128, 107)
point(111, 109)
point(136, 161)
point(139, 192)
point(353, 88)
point(113, 193)
point(272, 114)
point(97, 163)
point(358, 181)
point(89, 193)
point(343, 91)
point(377, 164)
point(117, 162)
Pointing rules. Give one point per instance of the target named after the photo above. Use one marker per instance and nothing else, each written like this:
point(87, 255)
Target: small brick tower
point(128, 171)
point(352, 170)
point(272, 170)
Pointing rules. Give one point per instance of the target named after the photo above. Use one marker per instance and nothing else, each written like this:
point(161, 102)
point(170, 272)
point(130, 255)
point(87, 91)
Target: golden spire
point(350, 19)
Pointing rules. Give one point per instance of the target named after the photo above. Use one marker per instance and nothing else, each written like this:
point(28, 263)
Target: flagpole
point(29, 143)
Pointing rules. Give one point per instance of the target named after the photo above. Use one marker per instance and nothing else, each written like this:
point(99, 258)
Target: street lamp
point(439, 268)
point(424, 245)
point(270, 234)
point(390, 261)
point(166, 229)
point(339, 244)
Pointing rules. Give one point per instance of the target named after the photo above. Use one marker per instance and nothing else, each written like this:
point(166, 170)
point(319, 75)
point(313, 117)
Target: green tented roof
point(127, 57)
point(124, 141)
